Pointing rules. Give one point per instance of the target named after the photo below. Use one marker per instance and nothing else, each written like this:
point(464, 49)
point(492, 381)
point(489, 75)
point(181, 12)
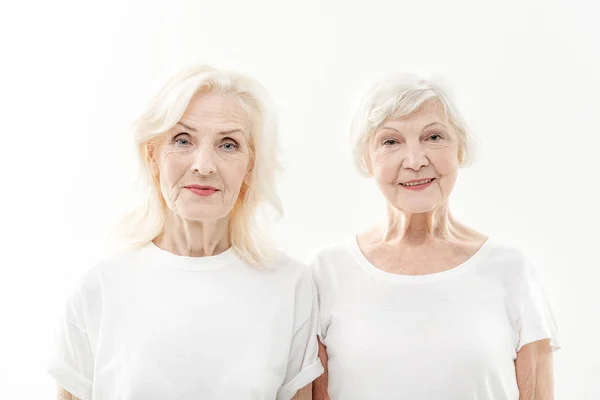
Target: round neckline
point(189, 263)
point(372, 270)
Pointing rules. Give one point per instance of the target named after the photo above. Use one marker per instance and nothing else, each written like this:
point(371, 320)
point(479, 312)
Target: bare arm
point(319, 391)
point(62, 394)
point(304, 394)
point(534, 368)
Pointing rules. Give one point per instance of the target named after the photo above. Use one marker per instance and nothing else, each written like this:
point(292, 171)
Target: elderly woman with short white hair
point(202, 307)
point(422, 306)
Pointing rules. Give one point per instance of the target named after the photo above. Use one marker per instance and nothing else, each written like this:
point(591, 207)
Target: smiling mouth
point(417, 183)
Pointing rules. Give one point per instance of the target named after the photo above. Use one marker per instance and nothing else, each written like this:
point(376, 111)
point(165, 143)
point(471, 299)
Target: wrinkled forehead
point(430, 111)
point(216, 111)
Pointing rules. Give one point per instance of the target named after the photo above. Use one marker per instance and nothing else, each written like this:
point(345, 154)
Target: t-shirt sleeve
point(536, 319)
point(304, 365)
point(72, 363)
point(321, 281)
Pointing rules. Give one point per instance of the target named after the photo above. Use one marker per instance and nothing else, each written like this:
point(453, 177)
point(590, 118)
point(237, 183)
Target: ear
point(368, 165)
point(461, 154)
point(248, 177)
point(151, 156)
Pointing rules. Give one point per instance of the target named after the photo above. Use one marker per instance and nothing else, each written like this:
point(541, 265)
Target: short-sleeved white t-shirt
point(151, 325)
point(449, 335)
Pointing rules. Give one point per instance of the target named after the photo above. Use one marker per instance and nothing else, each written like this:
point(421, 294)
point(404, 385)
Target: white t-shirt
point(452, 335)
point(151, 325)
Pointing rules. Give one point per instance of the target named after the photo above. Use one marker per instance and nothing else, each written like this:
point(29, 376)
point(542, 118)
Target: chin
point(417, 208)
point(202, 213)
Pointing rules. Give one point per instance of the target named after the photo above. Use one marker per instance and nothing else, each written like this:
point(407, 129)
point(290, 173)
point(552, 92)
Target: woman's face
point(417, 147)
point(204, 159)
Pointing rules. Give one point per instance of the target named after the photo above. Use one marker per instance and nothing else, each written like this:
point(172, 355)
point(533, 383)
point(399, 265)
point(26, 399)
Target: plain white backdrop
point(75, 73)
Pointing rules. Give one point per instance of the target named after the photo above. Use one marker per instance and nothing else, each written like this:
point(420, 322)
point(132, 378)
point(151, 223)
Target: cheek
point(386, 167)
point(174, 166)
point(446, 166)
point(233, 171)
point(172, 169)
point(445, 161)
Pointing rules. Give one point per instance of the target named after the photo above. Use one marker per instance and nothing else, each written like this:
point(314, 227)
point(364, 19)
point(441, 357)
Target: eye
point(389, 142)
point(182, 139)
point(229, 145)
point(435, 137)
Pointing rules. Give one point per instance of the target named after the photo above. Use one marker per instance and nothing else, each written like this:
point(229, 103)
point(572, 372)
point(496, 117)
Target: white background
point(74, 74)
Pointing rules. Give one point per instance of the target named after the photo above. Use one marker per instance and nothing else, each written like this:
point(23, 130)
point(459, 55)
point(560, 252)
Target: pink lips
point(202, 190)
point(417, 187)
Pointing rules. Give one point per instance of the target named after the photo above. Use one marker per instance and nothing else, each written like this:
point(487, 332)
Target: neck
point(423, 228)
point(194, 238)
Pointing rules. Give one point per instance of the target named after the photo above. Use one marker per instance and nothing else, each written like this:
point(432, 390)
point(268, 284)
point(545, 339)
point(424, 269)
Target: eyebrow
point(389, 127)
point(425, 127)
point(434, 123)
point(189, 128)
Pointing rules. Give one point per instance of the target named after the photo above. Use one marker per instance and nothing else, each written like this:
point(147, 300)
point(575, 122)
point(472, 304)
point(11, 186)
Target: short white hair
point(256, 202)
point(398, 95)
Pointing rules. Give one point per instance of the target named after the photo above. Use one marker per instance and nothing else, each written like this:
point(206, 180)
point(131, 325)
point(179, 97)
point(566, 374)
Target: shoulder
point(512, 263)
point(283, 261)
point(111, 267)
point(334, 262)
point(333, 254)
point(85, 296)
point(509, 258)
point(284, 269)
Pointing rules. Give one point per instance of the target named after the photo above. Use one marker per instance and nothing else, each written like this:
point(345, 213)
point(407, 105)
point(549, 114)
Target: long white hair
point(257, 201)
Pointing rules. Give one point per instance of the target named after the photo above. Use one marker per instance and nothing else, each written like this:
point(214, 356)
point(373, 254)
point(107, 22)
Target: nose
point(415, 158)
point(203, 161)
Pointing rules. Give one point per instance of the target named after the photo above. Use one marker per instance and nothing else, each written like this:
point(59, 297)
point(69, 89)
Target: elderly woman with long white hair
point(421, 306)
point(202, 307)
